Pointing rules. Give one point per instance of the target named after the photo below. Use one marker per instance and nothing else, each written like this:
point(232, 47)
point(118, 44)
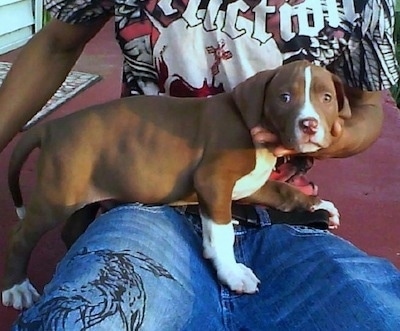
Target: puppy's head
point(300, 102)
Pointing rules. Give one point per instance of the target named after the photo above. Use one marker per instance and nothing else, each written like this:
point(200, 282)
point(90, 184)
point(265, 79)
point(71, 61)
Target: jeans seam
point(155, 209)
point(226, 301)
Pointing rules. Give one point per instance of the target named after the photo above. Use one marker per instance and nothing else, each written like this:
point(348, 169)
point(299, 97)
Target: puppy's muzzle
point(309, 125)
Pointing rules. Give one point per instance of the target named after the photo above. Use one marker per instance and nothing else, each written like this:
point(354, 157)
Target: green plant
point(46, 17)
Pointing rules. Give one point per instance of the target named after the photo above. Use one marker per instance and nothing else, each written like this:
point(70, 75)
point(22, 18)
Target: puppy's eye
point(327, 97)
point(285, 97)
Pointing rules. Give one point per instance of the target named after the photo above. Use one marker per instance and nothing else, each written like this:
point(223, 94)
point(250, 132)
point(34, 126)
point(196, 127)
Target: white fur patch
point(218, 242)
point(247, 185)
point(308, 111)
point(20, 296)
point(21, 212)
point(334, 219)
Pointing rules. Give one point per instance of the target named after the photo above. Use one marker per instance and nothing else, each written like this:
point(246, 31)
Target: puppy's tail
point(28, 142)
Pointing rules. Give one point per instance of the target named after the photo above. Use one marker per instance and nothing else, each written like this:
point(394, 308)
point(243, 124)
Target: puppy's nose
point(309, 125)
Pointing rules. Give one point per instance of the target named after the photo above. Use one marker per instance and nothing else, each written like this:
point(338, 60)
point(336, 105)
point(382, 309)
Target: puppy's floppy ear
point(343, 101)
point(249, 97)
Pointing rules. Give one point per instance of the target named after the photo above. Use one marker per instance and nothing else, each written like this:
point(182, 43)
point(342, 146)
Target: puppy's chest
point(247, 185)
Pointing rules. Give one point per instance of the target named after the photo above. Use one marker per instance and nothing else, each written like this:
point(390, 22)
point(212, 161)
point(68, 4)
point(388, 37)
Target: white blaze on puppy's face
point(308, 108)
point(309, 142)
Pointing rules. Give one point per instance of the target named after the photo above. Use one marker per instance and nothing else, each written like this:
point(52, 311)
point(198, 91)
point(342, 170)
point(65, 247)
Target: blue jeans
point(139, 267)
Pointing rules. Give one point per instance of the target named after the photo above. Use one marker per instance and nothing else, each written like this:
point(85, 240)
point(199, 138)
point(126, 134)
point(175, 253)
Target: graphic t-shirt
point(204, 47)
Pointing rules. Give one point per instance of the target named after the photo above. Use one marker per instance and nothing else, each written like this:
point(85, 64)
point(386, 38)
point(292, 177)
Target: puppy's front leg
point(214, 182)
point(282, 196)
point(218, 240)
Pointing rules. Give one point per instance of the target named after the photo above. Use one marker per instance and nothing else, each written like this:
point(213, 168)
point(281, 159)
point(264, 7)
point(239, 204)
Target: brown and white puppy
point(166, 150)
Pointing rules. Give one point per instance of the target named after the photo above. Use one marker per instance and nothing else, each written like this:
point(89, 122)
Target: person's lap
point(140, 267)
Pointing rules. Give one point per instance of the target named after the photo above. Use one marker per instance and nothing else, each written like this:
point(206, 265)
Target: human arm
point(370, 66)
point(362, 129)
point(39, 70)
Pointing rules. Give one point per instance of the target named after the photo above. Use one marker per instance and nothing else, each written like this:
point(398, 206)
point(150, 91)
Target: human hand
point(335, 146)
point(359, 124)
point(261, 135)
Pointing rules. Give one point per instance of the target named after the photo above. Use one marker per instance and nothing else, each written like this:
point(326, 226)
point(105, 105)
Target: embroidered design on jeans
point(116, 291)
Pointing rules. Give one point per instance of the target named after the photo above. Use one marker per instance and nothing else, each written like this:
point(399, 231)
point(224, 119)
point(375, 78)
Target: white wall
point(19, 20)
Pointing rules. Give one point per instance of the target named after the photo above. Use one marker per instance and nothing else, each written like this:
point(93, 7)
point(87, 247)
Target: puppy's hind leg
point(40, 217)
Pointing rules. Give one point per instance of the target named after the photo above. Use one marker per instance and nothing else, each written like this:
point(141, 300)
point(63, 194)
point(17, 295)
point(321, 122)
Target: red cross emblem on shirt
point(219, 55)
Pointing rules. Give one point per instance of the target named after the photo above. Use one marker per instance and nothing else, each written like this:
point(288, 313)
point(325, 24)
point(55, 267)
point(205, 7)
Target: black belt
point(242, 214)
point(247, 215)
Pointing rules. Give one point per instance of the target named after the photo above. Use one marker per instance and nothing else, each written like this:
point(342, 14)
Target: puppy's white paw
point(334, 219)
point(239, 279)
point(208, 252)
point(20, 296)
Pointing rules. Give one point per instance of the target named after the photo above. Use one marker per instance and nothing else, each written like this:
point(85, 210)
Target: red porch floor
point(365, 188)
